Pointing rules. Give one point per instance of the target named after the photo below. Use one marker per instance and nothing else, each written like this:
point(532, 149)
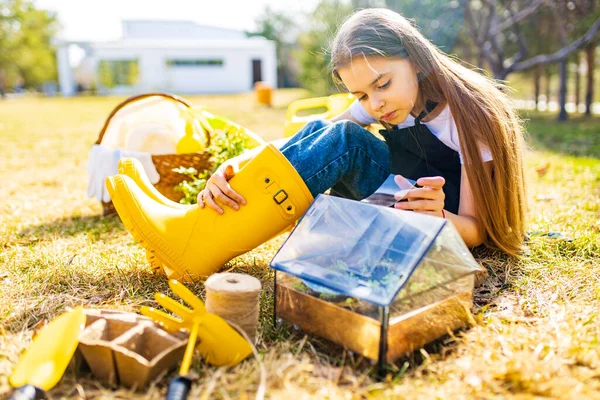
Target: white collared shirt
point(442, 126)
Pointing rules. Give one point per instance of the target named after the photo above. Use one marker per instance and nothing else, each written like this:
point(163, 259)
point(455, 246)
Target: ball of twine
point(235, 298)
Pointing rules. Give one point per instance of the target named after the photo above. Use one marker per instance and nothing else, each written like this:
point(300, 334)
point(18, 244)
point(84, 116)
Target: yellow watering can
point(48, 356)
point(333, 105)
point(198, 120)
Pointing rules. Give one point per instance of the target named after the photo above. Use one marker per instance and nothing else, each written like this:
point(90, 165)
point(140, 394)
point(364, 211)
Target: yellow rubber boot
point(132, 167)
point(194, 242)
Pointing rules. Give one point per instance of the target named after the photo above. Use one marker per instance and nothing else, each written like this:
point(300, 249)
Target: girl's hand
point(428, 199)
point(218, 188)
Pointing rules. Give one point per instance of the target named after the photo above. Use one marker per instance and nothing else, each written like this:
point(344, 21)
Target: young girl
point(451, 129)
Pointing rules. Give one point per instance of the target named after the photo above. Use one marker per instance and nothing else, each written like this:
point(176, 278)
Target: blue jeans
point(342, 156)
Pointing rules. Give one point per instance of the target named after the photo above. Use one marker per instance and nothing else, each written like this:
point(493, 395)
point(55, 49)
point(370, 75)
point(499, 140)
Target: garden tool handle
point(189, 350)
point(28, 392)
point(179, 388)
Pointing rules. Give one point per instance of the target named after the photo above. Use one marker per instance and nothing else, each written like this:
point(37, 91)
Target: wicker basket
point(164, 163)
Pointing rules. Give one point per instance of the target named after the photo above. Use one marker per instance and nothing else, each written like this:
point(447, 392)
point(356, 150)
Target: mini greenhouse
point(379, 281)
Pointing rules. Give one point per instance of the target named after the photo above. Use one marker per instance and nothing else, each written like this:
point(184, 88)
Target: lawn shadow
point(577, 136)
point(91, 288)
point(494, 280)
point(94, 225)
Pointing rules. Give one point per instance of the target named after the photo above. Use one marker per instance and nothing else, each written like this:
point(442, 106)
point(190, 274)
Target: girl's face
point(387, 88)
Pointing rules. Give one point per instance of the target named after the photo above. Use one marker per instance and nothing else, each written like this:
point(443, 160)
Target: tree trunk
point(562, 116)
point(548, 79)
point(590, 52)
point(536, 85)
point(2, 82)
point(481, 61)
point(468, 54)
point(280, 77)
point(577, 83)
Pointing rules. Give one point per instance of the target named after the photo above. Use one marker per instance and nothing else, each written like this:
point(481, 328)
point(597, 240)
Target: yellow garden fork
point(219, 345)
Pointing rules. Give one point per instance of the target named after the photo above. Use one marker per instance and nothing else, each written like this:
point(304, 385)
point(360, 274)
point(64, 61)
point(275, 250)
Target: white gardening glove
point(91, 169)
point(102, 163)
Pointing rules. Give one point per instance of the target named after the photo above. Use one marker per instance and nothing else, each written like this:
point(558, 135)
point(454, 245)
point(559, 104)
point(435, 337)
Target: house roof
point(181, 30)
point(247, 43)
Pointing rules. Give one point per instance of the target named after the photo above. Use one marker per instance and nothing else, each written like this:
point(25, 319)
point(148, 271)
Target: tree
point(314, 56)
point(25, 43)
point(577, 81)
point(590, 52)
point(441, 21)
point(281, 28)
point(497, 26)
point(438, 20)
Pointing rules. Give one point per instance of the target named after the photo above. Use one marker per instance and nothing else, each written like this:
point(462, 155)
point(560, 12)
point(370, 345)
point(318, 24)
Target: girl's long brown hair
point(483, 115)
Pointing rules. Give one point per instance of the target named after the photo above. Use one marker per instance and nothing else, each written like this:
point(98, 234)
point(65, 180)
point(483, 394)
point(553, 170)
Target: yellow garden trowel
point(219, 345)
point(48, 356)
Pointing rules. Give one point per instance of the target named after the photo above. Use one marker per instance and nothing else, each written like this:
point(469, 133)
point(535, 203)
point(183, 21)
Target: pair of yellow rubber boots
point(190, 242)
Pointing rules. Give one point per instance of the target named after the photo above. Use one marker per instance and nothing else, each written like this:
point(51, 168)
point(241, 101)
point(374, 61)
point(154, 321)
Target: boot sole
point(153, 244)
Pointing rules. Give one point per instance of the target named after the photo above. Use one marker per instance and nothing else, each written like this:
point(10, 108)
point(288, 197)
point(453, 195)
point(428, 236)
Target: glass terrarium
point(379, 281)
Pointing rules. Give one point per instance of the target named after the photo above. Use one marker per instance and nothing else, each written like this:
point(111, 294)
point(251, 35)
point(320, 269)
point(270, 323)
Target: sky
point(100, 20)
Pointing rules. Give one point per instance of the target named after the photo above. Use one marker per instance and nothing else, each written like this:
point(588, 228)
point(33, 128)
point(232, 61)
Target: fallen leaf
point(543, 170)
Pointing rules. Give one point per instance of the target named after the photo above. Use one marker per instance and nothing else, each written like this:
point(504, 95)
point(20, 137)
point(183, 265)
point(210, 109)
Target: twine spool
point(235, 297)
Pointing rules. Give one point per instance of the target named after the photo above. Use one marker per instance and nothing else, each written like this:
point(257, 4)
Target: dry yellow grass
point(537, 332)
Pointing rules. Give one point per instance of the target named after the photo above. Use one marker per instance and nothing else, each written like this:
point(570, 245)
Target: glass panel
point(415, 318)
point(357, 249)
point(413, 297)
point(336, 319)
point(338, 299)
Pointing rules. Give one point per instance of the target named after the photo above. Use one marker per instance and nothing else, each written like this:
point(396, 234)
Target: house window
point(118, 72)
point(203, 62)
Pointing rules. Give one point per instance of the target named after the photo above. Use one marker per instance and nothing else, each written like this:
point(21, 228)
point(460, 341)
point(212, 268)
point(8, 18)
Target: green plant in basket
point(225, 144)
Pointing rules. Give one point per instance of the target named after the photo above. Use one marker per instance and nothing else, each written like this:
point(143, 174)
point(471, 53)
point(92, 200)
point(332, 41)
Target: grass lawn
point(537, 330)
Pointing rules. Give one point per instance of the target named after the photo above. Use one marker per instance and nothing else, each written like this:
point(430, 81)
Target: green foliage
point(314, 56)
point(25, 43)
point(279, 27)
point(438, 20)
point(542, 29)
point(224, 145)
point(191, 188)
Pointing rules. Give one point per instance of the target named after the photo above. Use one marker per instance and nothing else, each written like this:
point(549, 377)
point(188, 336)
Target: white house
point(174, 56)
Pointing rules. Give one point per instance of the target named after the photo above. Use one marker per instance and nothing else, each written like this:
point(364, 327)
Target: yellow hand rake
point(219, 345)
